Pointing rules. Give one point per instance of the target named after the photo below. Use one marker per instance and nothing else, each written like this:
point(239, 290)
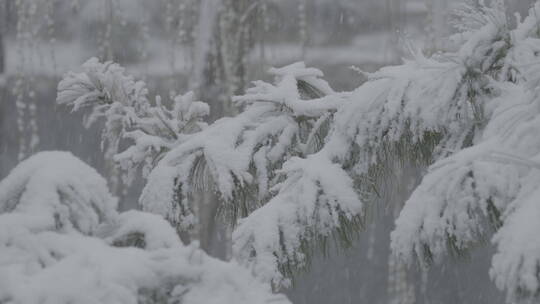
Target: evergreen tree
point(301, 164)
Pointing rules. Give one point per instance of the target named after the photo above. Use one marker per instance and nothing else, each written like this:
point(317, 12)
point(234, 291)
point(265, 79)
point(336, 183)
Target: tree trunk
point(4, 21)
point(219, 71)
point(206, 82)
point(437, 25)
point(2, 53)
point(3, 94)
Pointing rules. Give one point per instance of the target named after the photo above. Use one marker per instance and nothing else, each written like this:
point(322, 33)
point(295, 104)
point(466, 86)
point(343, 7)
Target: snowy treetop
point(59, 188)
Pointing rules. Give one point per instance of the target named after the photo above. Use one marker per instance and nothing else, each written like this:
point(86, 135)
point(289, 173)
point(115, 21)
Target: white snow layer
point(57, 221)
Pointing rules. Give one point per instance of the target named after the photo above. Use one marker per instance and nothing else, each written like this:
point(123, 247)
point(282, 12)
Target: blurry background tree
point(2, 47)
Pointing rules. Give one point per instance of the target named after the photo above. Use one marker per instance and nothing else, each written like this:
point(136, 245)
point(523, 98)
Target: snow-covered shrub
point(43, 266)
point(139, 229)
point(60, 190)
point(57, 224)
point(51, 267)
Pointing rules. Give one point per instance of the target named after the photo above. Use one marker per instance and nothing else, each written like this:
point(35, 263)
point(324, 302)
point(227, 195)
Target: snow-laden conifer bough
point(301, 163)
point(62, 241)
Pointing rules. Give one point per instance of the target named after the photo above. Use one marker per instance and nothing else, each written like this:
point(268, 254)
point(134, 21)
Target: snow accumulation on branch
point(420, 111)
point(320, 193)
point(316, 198)
point(150, 129)
point(237, 157)
point(490, 187)
point(62, 241)
point(472, 113)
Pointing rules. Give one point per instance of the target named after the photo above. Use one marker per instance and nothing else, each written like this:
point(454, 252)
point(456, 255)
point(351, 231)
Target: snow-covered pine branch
point(490, 188)
point(417, 112)
point(316, 199)
point(122, 102)
point(57, 224)
point(238, 157)
point(159, 130)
